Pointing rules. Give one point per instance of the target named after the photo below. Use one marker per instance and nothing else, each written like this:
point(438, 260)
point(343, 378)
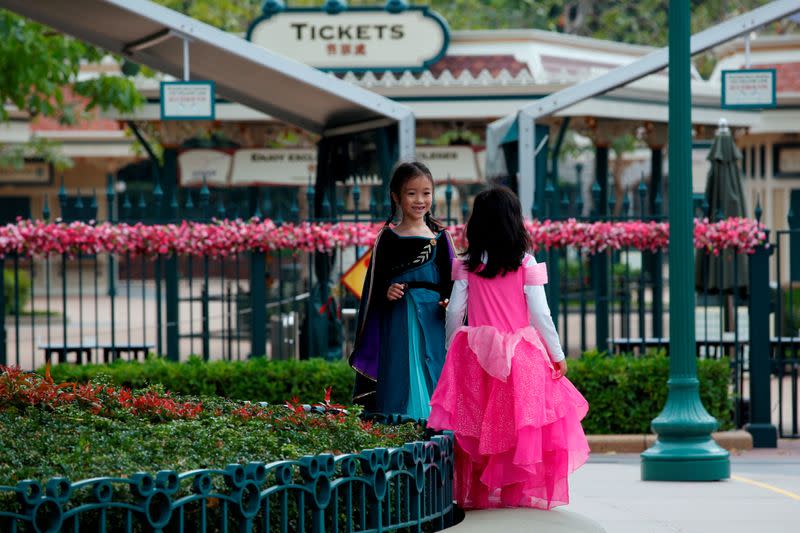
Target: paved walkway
point(763, 495)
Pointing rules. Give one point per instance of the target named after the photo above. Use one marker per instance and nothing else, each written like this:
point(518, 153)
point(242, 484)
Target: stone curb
point(730, 440)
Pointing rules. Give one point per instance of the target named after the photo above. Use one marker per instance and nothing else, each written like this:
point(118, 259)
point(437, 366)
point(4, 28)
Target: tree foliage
point(38, 66)
point(645, 21)
point(40, 70)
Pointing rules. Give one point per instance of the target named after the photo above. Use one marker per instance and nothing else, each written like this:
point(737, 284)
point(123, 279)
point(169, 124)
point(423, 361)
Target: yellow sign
point(354, 278)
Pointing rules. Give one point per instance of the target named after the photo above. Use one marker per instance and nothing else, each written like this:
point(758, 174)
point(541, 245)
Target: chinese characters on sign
point(748, 88)
point(346, 49)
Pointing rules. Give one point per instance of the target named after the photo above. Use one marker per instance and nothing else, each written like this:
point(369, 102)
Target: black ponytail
point(433, 223)
point(391, 215)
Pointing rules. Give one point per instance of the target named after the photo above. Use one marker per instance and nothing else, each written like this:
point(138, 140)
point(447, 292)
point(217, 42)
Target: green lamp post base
point(684, 450)
point(685, 460)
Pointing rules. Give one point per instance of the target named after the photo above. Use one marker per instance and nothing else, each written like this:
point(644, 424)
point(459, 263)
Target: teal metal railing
point(407, 488)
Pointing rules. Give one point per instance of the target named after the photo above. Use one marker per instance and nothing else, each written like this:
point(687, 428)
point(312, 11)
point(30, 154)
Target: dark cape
point(382, 365)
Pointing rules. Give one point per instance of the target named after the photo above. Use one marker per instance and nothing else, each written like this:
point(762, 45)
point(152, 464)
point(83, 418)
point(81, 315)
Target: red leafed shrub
point(152, 404)
point(293, 415)
point(21, 389)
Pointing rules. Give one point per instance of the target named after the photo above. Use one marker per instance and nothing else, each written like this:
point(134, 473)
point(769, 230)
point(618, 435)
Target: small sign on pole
point(353, 279)
point(187, 100)
point(748, 88)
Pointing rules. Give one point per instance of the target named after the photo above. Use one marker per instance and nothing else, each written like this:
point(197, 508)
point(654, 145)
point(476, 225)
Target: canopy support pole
point(185, 58)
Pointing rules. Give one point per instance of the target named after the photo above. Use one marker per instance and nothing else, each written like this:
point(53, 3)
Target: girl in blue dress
point(399, 350)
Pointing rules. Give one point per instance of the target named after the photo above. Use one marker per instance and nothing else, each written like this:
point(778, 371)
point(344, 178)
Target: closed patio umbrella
point(725, 273)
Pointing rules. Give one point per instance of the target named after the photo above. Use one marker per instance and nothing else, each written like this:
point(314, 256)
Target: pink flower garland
point(225, 238)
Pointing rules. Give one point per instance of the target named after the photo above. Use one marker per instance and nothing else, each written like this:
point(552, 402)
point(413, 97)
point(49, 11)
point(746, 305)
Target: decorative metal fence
point(106, 306)
point(607, 299)
point(775, 346)
point(747, 305)
point(408, 488)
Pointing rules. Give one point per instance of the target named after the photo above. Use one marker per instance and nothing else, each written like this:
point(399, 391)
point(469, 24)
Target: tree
point(40, 70)
point(645, 21)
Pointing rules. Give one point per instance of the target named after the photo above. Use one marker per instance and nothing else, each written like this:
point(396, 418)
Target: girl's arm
point(539, 313)
point(457, 308)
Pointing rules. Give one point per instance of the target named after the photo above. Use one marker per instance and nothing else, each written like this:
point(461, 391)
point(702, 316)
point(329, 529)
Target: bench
point(782, 349)
point(83, 352)
point(710, 347)
point(61, 350)
point(112, 352)
point(629, 344)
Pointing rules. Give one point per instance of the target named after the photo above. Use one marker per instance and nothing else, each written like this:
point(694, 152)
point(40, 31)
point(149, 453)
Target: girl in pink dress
point(502, 391)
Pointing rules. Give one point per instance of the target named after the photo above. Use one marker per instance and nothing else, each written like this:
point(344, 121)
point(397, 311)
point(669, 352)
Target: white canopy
point(153, 35)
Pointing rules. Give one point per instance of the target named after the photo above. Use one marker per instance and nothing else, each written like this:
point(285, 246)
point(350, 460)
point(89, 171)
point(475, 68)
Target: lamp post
point(684, 449)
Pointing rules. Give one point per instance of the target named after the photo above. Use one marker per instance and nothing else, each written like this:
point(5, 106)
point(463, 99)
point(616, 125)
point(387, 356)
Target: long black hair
point(402, 174)
point(496, 228)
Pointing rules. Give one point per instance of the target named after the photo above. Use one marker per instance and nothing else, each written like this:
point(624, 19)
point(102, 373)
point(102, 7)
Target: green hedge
point(100, 430)
point(624, 393)
point(39, 444)
point(253, 380)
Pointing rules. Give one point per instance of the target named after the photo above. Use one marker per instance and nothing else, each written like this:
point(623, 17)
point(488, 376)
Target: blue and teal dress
point(400, 347)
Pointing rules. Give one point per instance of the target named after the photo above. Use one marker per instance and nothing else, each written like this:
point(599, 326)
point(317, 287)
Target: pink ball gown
point(517, 424)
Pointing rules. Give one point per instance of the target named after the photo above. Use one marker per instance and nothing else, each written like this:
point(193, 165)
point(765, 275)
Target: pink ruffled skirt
point(518, 431)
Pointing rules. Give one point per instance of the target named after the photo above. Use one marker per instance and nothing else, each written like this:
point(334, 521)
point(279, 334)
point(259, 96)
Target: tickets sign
point(356, 39)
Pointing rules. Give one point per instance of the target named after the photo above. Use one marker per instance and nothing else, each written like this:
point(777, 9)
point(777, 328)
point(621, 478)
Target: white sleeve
point(456, 309)
point(539, 313)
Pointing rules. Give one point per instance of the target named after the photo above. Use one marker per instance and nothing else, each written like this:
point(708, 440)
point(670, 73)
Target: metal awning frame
point(653, 62)
point(374, 110)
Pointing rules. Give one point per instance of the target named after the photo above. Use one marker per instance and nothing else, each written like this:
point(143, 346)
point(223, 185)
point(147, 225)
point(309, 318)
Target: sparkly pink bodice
point(500, 301)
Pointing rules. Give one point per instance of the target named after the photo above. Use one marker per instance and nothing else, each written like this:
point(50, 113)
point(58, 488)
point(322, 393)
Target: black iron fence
point(105, 306)
point(100, 307)
point(609, 299)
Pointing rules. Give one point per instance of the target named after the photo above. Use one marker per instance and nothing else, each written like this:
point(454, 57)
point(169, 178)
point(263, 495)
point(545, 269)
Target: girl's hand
point(395, 292)
point(443, 303)
point(561, 369)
